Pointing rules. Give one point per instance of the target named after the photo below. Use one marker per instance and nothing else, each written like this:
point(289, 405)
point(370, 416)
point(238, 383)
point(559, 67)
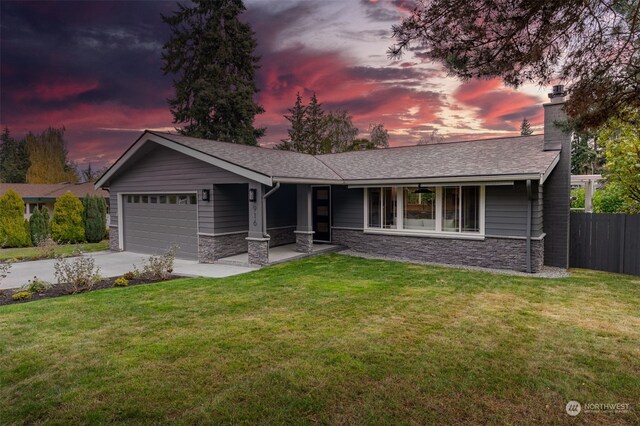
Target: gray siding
point(230, 208)
point(347, 206)
point(281, 207)
point(506, 211)
point(155, 168)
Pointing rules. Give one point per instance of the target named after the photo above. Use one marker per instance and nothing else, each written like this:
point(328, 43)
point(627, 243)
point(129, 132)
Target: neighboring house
point(501, 203)
point(45, 195)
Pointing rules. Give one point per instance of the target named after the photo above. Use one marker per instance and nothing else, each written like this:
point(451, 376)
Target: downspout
point(264, 209)
point(529, 205)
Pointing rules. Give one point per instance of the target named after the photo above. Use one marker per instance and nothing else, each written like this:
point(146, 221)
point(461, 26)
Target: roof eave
point(443, 179)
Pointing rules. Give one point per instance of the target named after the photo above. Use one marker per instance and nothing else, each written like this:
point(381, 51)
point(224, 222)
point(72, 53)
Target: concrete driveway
point(113, 264)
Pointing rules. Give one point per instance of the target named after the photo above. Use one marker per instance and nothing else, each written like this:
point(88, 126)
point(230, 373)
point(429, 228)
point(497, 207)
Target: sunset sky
point(95, 67)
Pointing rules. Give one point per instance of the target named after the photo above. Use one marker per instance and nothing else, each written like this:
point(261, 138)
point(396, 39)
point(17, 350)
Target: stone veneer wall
point(212, 248)
point(114, 238)
point(500, 253)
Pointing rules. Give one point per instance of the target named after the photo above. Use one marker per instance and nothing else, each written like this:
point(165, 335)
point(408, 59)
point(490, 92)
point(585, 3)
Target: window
point(144, 198)
point(162, 199)
point(193, 199)
point(183, 199)
point(420, 208)
point(153, 199)
point(446, 209)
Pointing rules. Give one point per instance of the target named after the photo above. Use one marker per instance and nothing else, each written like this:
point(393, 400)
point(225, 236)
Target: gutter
point(264, 209)
point(529, 205)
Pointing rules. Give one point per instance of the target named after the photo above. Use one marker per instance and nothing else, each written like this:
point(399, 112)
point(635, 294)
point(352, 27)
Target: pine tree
point(296, 132)
point(211, 54)
point(315, 125)
point(37, 226)
point(525, 128)
point(14, 159)
point(47, 220)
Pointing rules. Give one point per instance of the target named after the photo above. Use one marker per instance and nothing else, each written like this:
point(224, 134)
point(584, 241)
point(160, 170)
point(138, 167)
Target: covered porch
point(256, 224)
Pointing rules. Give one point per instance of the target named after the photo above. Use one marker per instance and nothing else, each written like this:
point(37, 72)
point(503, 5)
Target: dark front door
point(322, 213)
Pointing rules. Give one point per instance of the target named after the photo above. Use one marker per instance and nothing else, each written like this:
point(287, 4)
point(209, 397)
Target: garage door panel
point(153, 227)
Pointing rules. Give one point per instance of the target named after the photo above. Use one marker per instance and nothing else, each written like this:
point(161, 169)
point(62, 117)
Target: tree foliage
point(38, 227)
point(67, 225)
point(590, 45)
point(94, 218)
point(296, 131)
point(379, 136)
point(12, 230)
point(525, 128)
point(210, 53)
point(48, 158)
point(14, 159)
point(339, 132)
point(622, 150)
point(432, 138)
point(609, 199)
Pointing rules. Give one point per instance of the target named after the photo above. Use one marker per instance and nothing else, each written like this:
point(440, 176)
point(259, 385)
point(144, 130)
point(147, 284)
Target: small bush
point(129, 276)
point(37, 226)
point(36, 285)
point(158, 267)
point(577, 198)
point(67, 225)
point(12, 229)
point(4, 270)
point(121, 282)
point(94, 217)
point(78, 274)
point(609, 199)
point(22, 295)
point(47, 248)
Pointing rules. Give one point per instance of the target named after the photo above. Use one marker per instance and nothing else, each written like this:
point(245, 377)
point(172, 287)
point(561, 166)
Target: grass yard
point(64, 250)
point(330, 339)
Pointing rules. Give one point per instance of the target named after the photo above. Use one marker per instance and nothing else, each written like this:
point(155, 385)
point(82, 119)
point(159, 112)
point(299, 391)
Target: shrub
point(158, 267)
point(129, 276)
point(27, 231)
point(94, 218)
point(47, 248)
point(12, 230)
point(78, 274)
point(37, 226)
point(4, 270)
point(36, 285)
point(22, 295)
point(47, 220)
point(609, 199)
point(67, 225)
point(577, 198)
point(121, 282)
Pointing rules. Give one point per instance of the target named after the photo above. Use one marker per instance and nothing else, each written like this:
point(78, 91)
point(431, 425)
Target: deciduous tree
point(592, 46)
point(210, 53)
point(48, 158)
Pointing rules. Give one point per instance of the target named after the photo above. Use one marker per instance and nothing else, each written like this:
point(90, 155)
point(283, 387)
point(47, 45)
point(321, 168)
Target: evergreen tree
point(47, 220)
point(68, 225)
point(296, 132)
point(12, 230)
point(14, 159)
point(211, 54)
point(48, 158)
point(94, 219)
point(37, 226)
point(525, 128)
point(315, 126)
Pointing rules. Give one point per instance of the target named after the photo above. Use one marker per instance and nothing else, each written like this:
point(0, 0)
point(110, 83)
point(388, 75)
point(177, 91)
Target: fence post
point(623, 227)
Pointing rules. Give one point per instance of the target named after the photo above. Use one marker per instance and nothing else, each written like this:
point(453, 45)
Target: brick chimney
point(557, 187)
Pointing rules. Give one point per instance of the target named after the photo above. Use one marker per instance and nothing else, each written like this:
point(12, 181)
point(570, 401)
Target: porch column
point(257, 243)
point(304, 228)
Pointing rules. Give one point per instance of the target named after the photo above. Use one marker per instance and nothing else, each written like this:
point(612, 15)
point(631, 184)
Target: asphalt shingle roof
point(54, 190)
point(489, 157)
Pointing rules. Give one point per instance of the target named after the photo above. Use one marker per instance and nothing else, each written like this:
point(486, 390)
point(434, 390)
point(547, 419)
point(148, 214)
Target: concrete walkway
point(113, 264)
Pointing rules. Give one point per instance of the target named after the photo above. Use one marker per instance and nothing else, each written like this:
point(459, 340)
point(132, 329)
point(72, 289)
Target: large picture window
point(443, 209)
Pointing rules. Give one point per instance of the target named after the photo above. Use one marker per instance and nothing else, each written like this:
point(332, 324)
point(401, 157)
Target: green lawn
point(67, 249)
point(330, 339)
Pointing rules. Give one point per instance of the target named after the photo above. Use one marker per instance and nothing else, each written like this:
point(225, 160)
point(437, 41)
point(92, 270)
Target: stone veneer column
point(304, 241)
point(114, 239)
point(258, 251)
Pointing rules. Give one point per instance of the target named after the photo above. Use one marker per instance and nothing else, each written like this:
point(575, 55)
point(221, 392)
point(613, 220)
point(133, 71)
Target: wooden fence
point(605, 241)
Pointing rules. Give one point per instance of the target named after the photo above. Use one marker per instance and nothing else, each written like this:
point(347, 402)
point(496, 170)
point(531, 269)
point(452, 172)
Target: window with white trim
point(448, 209)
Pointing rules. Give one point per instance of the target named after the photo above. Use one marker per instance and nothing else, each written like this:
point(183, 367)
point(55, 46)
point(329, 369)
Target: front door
point(322, 213)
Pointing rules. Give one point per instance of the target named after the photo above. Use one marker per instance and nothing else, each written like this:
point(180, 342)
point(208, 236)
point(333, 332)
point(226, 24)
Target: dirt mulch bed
point(58, 290)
